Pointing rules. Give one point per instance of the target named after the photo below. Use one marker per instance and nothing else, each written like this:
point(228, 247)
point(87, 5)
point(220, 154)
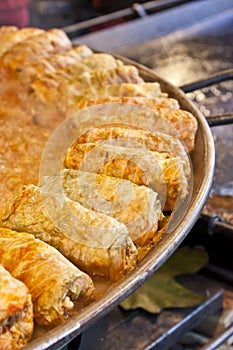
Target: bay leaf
point(161, 290)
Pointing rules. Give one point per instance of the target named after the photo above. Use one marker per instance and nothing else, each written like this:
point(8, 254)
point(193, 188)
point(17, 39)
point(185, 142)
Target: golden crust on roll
point(95, 242)
point(51, 96)
point(51, 64)
point(125, 89)
point(126, 136)
point(56, 285)
point(16, 312)
point(159, 171)
point(154, 103)
point(10, 36)
point(30, 50)
point(69, 75)
point(62, 88)
point(137, 207)
point(167, 118)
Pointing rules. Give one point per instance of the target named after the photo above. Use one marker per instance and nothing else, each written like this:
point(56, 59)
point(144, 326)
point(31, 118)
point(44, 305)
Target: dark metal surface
point(220, 273)
point(114, 18)
point(215, 225)
point(219, 340)
point(224, 119)
point(196, 52)
point(139, 329)
point(149, 28)
point(211, 80)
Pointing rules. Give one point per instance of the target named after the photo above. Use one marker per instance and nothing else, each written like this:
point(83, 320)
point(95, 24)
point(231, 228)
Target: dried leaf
point(162, 290)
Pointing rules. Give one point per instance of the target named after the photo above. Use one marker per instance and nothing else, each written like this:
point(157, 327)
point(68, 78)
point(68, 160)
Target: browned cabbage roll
point(8, 29)
point(30, 50)
point(95, 242)
point(159, 171)
point(16, 312)
point(101, 78)
point(10, 36)
point(135, 206)
point(125, 89)
point(57, 287)
point(48, 89)
point(51, 96)
point(71, 74)
point(167, 116)
point(53, 63)
point(127, 136)
point(154, 103)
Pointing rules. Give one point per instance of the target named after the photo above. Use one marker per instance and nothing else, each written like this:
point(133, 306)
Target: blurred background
point(55, 13)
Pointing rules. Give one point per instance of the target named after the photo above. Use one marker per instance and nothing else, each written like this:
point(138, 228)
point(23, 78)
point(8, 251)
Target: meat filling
point(5, 325)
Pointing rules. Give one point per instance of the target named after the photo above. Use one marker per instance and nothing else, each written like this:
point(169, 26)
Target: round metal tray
point(203, 161)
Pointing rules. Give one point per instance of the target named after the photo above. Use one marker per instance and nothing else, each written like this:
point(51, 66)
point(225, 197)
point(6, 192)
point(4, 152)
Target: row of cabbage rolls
point(81, 221)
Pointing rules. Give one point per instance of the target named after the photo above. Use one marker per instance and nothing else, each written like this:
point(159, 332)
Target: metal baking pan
point(203, 162)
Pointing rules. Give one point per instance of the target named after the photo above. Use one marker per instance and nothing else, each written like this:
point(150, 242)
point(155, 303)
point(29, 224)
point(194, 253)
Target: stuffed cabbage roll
point(154, 103)
point(126, 89)
point(7, 29)
point(129, 136)
point(48, 88)
point(95, 242)
point(57, 287)
point(167, 117)
point(51, 96)
point(159, 171)
point(43, 44)
point(16, 312)
point(10, 36)
point(53, 63)
point(135, 206)
point(71, 74)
